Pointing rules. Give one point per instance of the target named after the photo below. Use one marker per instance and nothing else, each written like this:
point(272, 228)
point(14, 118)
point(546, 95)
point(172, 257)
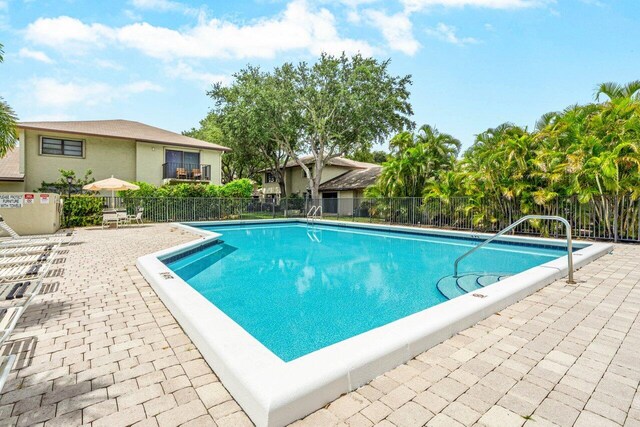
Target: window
point(269, 177)
point(184, 159)
point(62, 147)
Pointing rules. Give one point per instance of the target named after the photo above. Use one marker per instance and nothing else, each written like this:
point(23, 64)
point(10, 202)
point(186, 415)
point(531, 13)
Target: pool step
point(452, 287)
point(449, 288)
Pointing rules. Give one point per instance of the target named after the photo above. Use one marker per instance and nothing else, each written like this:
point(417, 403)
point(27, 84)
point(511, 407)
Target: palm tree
point(615, 91)
point(8, 119)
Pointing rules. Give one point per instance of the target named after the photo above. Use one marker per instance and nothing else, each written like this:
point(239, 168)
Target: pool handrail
point(514, 225)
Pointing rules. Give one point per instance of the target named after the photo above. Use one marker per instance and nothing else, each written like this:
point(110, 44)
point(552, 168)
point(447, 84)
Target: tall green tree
point(344, 105)
point(243, 161)
point(257, 118)
point(417, 158)
point(615, 91)
point(8, 121)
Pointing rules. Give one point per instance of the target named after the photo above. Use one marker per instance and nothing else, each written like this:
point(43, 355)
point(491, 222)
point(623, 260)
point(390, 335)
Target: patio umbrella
point(113, 184)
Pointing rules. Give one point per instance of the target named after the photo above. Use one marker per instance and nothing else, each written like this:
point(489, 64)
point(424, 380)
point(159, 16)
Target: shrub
point(240, 188)
point(80, 211)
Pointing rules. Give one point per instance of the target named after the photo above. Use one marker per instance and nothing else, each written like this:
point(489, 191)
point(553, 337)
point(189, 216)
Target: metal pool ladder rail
point(514, 225)
point(313, 213)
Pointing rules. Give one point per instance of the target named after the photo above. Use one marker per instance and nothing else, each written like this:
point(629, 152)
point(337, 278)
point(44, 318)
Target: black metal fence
point(611, 218)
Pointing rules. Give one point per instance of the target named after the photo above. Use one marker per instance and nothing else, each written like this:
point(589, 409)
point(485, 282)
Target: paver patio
point(99, 348)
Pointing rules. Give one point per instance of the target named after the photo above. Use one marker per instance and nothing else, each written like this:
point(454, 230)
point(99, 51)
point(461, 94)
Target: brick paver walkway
point(99, 348)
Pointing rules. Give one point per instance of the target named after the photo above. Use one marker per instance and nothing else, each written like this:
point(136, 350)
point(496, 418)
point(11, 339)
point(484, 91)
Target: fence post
point(615, 220)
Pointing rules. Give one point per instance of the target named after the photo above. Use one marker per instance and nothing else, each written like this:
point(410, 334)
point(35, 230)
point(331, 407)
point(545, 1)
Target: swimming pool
point(290, 317)
point(297, 290)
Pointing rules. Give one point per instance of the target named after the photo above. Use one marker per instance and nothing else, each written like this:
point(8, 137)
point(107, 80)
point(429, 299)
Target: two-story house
point(343, 181)
point(129, 150)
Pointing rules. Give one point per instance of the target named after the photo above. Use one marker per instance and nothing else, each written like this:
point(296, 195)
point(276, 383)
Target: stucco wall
point(150, 158)
point(345, 202)
point(124, 159)
point(104, 156)
point(11, 186)
point(297, 182)
point(35, 218)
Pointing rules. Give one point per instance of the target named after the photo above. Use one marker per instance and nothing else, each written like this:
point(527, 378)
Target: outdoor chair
point(6, 363)
point(137, 217)
point(123, 218)
point(110, 217)
point(7, 261)
point(181, 173)
point(15, 273)
point(18, 240)
point(20, 250)
point(196, 174)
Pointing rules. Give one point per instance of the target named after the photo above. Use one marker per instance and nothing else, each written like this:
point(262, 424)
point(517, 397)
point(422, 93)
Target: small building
point(129, 150)
point(342, 178)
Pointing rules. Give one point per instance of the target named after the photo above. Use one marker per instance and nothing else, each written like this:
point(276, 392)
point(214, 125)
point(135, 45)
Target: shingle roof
point(335, 161)
point(353, 180)
point(124, 129)
point(10, 166)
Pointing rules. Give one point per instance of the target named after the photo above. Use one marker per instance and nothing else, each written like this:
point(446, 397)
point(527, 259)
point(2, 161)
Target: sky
point(474, 63)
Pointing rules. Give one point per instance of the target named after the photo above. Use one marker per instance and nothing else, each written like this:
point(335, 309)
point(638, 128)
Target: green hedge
point(80, 211)
point(240, 188)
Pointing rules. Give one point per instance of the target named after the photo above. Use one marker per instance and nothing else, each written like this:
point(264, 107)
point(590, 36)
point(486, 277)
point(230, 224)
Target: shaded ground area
point(99, 348)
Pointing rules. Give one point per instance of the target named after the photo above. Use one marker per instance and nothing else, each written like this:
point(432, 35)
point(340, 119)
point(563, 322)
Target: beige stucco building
point(129, 150)
point(343, 182)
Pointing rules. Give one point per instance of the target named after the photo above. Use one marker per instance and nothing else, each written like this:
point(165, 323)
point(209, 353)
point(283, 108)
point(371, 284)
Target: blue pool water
point(296, 295)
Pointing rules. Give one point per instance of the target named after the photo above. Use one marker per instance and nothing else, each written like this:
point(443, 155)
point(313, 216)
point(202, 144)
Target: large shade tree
point(256, 118)
point(345, 104)
point(8, 121)
point(244, 160)
point(337, 106)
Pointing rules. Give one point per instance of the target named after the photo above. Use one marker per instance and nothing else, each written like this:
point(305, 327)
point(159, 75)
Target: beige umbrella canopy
point(113, 184)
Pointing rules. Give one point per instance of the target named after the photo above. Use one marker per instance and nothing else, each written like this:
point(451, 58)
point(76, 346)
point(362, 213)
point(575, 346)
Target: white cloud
point(163, 6)
point(105, 63)
point(34, 54)
point(68, 34)
point(297, 28)
point(417, 5)
point(157, 4)
point(50, 92)
point(448, 34)
point(396, 29)
point(186, 72)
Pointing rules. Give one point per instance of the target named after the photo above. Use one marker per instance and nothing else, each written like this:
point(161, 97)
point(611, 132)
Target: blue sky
point(475, 63)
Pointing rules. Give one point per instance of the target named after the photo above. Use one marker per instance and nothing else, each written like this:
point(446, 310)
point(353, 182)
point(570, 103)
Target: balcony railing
point(186, 171)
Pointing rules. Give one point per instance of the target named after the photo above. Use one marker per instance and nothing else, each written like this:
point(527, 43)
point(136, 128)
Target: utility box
point(31, 213)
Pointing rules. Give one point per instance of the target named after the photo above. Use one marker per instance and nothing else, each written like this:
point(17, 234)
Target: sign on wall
point(10, 201)
point(29, 198)
point(44, 199)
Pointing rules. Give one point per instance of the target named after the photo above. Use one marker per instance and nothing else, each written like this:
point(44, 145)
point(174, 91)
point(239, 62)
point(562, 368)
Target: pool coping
point(275, 393)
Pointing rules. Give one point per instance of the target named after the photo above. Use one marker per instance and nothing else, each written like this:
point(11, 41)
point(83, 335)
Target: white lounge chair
point(21, 250)
point(16, 239)
point(6, 363)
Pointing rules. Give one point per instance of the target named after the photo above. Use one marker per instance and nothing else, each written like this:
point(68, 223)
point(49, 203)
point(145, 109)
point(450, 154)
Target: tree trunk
point(283, 188)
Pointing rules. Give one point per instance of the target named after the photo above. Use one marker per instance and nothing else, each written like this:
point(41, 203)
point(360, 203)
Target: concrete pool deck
point(99, 348)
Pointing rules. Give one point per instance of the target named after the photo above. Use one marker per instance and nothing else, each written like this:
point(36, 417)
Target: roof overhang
point(174, 144)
